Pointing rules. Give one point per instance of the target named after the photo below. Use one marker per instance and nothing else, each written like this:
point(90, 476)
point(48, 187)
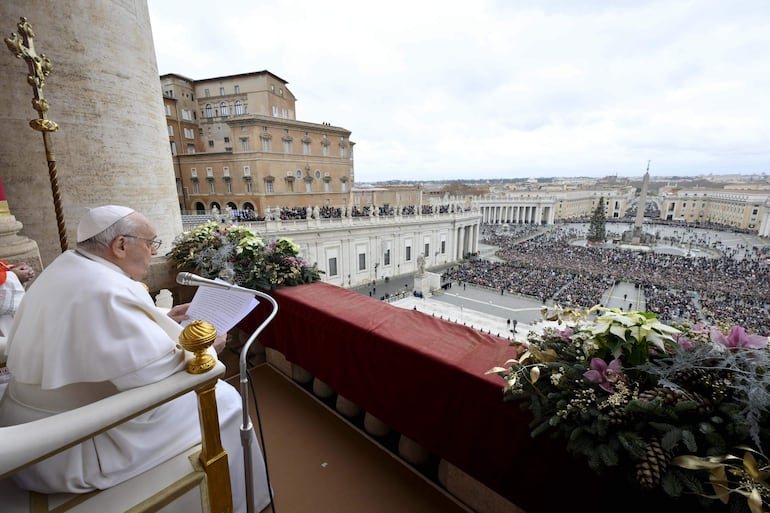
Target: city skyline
point(440, 91)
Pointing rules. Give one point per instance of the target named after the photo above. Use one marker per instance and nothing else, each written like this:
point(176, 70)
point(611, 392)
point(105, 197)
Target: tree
point(597, 231)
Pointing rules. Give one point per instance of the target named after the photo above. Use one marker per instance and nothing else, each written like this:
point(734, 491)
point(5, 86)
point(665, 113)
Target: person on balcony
point(88, 328)
point(13, 278)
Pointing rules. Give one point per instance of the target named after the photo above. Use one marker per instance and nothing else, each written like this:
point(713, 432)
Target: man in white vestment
point(87, 328)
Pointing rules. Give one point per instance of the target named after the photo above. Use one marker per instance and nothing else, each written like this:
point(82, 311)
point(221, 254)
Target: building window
point(237, 89)
point(408, 254)
point(196, 187)
point(221, 91)
point(325, 150)
point(305, 148)
point(342, 152)
point(187, 115)
point(327, 187)
point(206, 93)
point(308, 187)
point(228, 187)
point(167, 108)
point(238, 108)
point(266, 145)
point(226, 171)
point(333, 266)
point(248, 186)
point(190, 148)
point(209, 111)
point(223, 110)
point(211, 143)
point(268, 186)
point(362, 261)
point(344, 187)
point(275, 111)
point(173, 148)
point(443, 247)
point(290, 185)
point(286, 146)
point(227, 139)
point(170, 130)
point(189, 133)
point(386, 257)
point(212, 187)
point(246, 171)
point(244, 144)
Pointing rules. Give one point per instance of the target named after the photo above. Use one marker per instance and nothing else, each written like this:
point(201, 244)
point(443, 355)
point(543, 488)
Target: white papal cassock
point(84, 331)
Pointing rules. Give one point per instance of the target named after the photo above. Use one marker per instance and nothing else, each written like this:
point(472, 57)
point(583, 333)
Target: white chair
point(196, 480)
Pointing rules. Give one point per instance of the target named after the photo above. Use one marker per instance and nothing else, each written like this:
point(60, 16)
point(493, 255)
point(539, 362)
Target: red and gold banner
point(4, 210)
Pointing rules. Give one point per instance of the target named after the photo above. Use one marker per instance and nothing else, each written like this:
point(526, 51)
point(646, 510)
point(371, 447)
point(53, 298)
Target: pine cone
point(711, 382)
point(666, 394)
point(650, 470)
point(692, 377)
point(670, 397)
point(617, 416)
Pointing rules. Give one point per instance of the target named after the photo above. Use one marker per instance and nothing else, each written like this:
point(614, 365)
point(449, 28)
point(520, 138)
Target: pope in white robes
point(86, 329)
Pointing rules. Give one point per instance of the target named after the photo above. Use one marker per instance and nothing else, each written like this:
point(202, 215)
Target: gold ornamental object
point(197, 337)
point(22, 45)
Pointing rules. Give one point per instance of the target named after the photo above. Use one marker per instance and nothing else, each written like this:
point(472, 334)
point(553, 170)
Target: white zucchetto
point(99, 219)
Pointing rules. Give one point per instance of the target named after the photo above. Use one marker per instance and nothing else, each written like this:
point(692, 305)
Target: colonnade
point(517, 214)
point(467, 238)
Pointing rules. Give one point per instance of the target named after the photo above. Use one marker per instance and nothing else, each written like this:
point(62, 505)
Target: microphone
point(194, 280)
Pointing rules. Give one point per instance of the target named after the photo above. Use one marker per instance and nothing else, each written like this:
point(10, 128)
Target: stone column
point(104, 94)
point(15, 249)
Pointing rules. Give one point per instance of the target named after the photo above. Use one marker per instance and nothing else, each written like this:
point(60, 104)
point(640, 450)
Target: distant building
point(743, 209)
point(550, 206)
point(236, 142)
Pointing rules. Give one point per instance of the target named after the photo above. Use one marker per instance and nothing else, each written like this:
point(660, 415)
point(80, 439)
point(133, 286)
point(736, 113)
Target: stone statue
point(420, 264)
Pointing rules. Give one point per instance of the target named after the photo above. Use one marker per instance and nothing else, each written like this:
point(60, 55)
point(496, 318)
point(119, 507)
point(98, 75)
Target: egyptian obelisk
point(637, 237)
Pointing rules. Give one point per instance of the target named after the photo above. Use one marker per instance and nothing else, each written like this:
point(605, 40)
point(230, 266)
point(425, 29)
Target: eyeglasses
point(153, 243)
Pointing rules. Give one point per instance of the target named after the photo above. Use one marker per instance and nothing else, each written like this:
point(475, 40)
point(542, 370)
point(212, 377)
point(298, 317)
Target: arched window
point(223, 110)
point(238, 108)
point(209, 112)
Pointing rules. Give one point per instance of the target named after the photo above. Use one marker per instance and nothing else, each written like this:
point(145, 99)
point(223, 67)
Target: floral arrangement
point(677, 409)
point(238, 255)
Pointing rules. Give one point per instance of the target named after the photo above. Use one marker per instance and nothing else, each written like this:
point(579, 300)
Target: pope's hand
point(219, 343)
point(179, 312)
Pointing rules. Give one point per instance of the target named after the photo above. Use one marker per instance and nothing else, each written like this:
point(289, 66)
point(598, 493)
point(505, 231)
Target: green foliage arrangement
point(237, 254)
point(682, 409)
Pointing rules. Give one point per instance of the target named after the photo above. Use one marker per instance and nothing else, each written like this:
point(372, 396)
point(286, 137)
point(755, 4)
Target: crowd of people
point(326, 212)
point(545, 263)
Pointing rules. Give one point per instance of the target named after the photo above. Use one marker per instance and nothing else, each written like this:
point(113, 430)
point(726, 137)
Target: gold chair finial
point(197, 337)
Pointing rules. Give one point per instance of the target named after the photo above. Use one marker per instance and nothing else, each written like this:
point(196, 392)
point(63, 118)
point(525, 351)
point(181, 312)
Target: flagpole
point(23, 46)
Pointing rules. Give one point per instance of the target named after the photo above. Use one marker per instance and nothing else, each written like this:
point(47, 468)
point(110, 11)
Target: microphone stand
point(247, 428)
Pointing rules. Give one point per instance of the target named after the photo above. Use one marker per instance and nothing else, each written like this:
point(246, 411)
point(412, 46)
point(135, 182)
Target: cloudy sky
point(448, 89)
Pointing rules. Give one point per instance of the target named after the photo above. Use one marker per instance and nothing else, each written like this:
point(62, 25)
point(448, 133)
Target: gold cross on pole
point(23, 47)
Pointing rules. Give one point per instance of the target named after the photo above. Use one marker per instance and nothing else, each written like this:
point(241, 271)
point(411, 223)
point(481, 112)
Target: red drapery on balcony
point(424, 377)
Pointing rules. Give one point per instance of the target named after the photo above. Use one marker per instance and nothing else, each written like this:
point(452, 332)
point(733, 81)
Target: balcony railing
point(422, 380)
